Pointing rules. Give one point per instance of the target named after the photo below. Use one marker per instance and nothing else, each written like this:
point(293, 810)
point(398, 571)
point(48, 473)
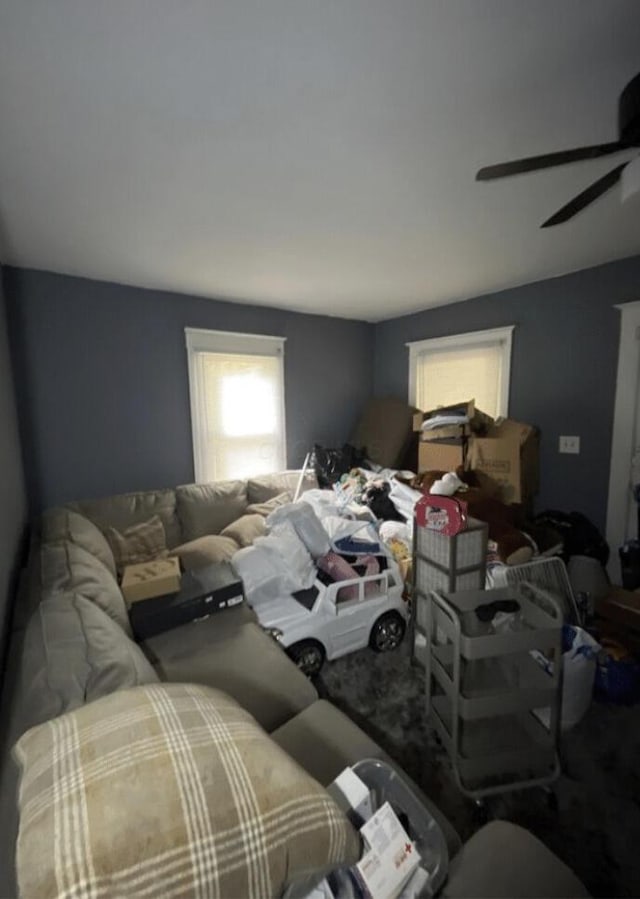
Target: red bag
point(445, 514)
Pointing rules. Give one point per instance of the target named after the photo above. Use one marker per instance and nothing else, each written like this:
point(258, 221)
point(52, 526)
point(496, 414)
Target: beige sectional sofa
point(72, 644)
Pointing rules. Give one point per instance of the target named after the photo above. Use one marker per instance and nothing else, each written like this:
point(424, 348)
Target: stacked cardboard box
point(504, 449)
point(619, 614)
point(444, 448)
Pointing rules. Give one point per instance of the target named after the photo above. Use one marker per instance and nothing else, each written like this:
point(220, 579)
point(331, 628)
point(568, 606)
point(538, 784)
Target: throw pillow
point(267, 507)
point(205, 551)
point(246, 529)
point(139, 543)
point(169, 790)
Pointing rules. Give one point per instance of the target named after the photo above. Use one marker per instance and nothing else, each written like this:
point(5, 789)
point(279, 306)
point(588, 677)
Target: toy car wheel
point(308, 656)
point(387, 632)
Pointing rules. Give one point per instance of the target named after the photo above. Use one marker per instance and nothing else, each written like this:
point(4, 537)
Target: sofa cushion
point(245, 529)
point(173, 790)
point(241, 660)
point(270, 505)
point(64, 524)
point(208, 508)
point(70, 568)
point(125, 509)
point(205, 551)
point(266, 486)
point(74, 653)
point(141, 542)
point(502, 860)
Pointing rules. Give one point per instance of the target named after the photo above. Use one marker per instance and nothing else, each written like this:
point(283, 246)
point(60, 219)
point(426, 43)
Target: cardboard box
point(149, 579)
point(390, 857)
point(621, 607)
point(509, 455)
point(479, 421)
point(440, 456)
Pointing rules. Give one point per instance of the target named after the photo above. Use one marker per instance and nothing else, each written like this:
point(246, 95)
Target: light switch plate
point(569, 445)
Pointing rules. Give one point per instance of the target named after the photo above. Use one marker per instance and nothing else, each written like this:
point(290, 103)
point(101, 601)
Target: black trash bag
point(330, 464)
point(376, 496)
point(579, 536)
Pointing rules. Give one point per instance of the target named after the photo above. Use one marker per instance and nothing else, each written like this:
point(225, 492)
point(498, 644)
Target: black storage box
point(201, 593)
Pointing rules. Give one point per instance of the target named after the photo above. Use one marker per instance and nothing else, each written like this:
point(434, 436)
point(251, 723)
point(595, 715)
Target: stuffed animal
point(479, 493)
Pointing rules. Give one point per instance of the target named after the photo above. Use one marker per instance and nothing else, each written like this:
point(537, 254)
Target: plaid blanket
point(169, 790)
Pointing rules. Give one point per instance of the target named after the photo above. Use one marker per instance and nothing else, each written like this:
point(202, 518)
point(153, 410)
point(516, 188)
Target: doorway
point(622, 513)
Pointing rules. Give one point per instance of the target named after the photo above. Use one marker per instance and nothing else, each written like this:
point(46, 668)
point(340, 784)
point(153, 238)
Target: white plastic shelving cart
point(484, 684)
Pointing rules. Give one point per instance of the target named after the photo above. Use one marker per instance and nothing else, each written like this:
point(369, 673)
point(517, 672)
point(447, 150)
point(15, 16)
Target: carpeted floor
point(595, 828)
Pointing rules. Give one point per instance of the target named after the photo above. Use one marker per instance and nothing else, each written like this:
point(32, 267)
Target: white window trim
point(624, 428)
point(469, 338)
point(201, 340)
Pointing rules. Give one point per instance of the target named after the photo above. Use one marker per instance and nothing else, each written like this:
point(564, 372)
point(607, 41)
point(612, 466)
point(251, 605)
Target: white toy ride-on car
point(327, 621)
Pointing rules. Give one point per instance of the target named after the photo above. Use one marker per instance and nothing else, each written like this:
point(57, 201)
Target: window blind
point(237, 407)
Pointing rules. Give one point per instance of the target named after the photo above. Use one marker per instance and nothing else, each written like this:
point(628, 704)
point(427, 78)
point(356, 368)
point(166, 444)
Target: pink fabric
point(339, 569)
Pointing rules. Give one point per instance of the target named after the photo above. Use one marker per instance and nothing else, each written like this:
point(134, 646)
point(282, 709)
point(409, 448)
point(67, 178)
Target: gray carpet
point(596, 826)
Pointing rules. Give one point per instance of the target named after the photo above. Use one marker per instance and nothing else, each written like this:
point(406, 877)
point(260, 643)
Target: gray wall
point(101, 371)
point(13, 507)
point(563, 369)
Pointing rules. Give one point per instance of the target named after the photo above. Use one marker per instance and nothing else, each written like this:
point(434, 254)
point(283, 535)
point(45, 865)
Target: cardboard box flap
point(508, 429)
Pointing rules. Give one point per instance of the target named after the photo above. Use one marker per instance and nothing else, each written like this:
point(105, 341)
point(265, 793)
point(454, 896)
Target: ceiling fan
point(628, 138)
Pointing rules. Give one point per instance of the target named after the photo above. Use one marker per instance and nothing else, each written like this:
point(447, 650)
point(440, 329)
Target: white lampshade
point(630, 180)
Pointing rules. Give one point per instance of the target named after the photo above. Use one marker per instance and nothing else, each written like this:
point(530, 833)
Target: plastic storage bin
point(386, 785)
point(484, 685)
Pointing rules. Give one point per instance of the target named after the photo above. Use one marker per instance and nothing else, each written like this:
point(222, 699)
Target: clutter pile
point(491, 468)
point(461, 436)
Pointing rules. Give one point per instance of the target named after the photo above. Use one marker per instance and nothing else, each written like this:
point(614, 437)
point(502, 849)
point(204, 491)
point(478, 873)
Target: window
point(236, 384)
point(448, 370)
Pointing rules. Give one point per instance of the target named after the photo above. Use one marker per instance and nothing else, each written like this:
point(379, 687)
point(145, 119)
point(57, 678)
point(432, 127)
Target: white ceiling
point(317, 155)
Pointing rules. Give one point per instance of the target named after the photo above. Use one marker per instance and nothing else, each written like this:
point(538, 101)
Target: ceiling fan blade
point(595, 190)
point(533, 163)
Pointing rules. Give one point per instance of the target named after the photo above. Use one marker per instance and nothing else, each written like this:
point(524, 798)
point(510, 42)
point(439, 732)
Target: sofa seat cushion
point(169, 790)
point(246, 529)
point(63, 524)
point(241, 660)
point(208, 508)
point(141, 542)
point(125, 509)
point(74, 653)
point(325, 741)
point(69, 568)
point(502, 860)
point(205, 551)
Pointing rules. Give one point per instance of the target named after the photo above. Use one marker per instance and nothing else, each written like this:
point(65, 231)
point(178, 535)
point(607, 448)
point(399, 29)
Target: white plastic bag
point(292, 554)
point(404, 498)
point(579, 671)
point(338, 528)
point(306, 524)
point(578, 677)
point(264, 575)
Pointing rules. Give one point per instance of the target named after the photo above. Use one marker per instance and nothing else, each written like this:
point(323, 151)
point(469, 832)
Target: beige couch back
point(126, 509)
